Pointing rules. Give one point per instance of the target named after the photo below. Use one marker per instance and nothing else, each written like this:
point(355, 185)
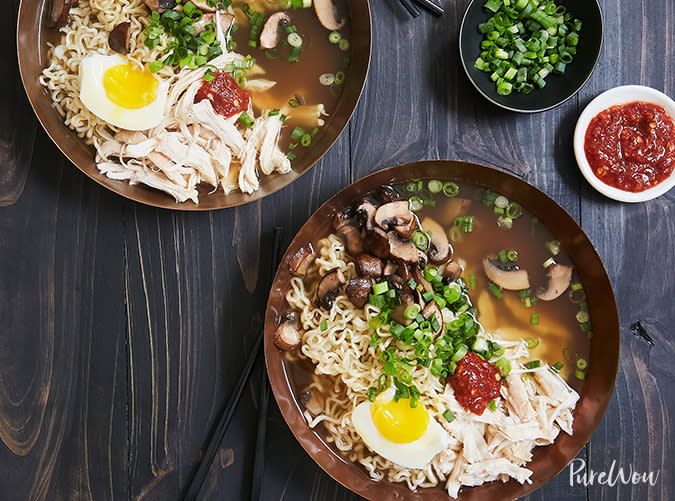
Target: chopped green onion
point(495, 289)
point(512, 255)
point(504, 366)
point(334, 37)
point(532, 342)
point(245, 119)
point(421, 240)
point(343, 44)
point(371, 394)
point(327, 79)
point(502, 202)
point(548, 262)
point(323, 326)
point(583, 316)
point(472, 281)
point(553, 247)
point(557, 366)
point(534, 319)
point(449, 416)
point(380, 288)
point(450, 189)
point(415, 203)
point(580, 374)
point(581, 364)
point(533, 364)
point(435, 186)
point(492, 405)
point(411, 311)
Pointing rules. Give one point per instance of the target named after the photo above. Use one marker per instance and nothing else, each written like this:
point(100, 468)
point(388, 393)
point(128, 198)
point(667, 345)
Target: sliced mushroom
point(506, 276)
point(203, 6)
point(352, 238)
point(406, 230)
point(274, 30)
point(328, 15)
point(328, 288)
point(559, 278)
point(357, 290)
point(439, 247)
point(397, 313)
point(421, 258)
point(452, 271)
point(287, 336)
point(313, 402)
point(118, 39)
point(390, 268)
point(388, 194)
point(376, 243)
point(394, 214)
point(160, 5)
point(300, 261)
point(59, 11)
point(402, 249)
point(342, 217)
point(420, 280)
point(370, 266)
point(366, 211)
point(432, 309)
point(405, 273)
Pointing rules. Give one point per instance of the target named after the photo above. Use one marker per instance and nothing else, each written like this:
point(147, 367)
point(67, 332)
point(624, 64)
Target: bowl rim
point(591, 406)
point(68, 143)
point(515, 108)
point(622, 94)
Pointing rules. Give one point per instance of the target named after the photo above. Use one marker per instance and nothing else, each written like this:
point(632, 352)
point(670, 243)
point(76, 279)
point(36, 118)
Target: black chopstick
point(261, 434)
point(410, 7)
point(429, 5)
point(199, 476)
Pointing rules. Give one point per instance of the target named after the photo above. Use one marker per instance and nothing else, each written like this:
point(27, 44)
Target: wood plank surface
point(123, 328)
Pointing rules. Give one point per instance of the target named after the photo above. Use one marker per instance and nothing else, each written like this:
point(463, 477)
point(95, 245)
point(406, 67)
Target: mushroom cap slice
point(300, 261)
point(393, 214)
point(273, 29)
point(328, 287)
point(287, 336)
point(118, 39)
point(439, 247)
point(432, 309)
point(397, 313)
point(366, 210)
point(402, 249)
point(513, 280)
point(327, 14)
point(452, 271)
point(59, 11)
point(370, 266)
point(352, 237)
point(357, 290)
point(559, 278)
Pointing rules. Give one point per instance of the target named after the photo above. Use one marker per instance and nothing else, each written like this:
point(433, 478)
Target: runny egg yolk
point(398, 422)
point(129, 87)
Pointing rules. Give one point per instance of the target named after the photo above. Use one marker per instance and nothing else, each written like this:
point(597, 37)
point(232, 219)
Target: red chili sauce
point(227, 98)
point(631, 146)
point(476, 382)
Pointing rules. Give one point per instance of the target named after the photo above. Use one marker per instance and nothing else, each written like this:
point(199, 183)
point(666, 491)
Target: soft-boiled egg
point(119, 92)
point(406, 435)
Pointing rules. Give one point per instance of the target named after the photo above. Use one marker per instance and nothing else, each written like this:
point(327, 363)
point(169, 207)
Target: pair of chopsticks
point(223, 423)
point(412, 9)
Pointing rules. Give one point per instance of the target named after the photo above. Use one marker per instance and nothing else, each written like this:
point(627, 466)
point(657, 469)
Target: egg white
point(416, 454)
point(94, 97)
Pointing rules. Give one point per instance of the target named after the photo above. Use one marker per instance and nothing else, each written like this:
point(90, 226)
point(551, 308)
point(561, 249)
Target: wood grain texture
point(123, 328)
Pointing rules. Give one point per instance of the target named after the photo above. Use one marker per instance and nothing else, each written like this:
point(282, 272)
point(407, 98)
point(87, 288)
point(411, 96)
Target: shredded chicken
point(498, 444)
point(194, 144)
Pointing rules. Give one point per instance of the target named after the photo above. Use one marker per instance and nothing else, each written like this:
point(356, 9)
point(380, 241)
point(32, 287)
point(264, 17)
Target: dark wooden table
point(123, 328)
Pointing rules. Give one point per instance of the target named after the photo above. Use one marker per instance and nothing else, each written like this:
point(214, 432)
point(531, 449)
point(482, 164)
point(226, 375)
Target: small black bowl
point(559, 88)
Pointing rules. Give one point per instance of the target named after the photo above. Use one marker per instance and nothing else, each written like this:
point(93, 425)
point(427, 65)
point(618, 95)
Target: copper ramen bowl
point(598, 385)
point(32, 38)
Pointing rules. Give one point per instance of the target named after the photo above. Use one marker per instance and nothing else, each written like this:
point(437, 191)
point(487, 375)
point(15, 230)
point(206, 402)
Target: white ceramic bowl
point(620, 95)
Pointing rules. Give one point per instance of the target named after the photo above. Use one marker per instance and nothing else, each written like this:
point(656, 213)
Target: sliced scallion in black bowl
point(558, 83)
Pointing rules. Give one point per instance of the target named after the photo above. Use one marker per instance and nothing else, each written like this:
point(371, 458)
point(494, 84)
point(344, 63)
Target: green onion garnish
point(532, 342)
point(380, 288)
point(504, 366)
point(534, 319)
point(245, 119)
point(323, 326)
point(557, 366)
point(449, 416)
point(533, 364)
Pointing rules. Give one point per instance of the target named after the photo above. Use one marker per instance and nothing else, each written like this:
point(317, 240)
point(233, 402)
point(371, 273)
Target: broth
point(319, 56)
